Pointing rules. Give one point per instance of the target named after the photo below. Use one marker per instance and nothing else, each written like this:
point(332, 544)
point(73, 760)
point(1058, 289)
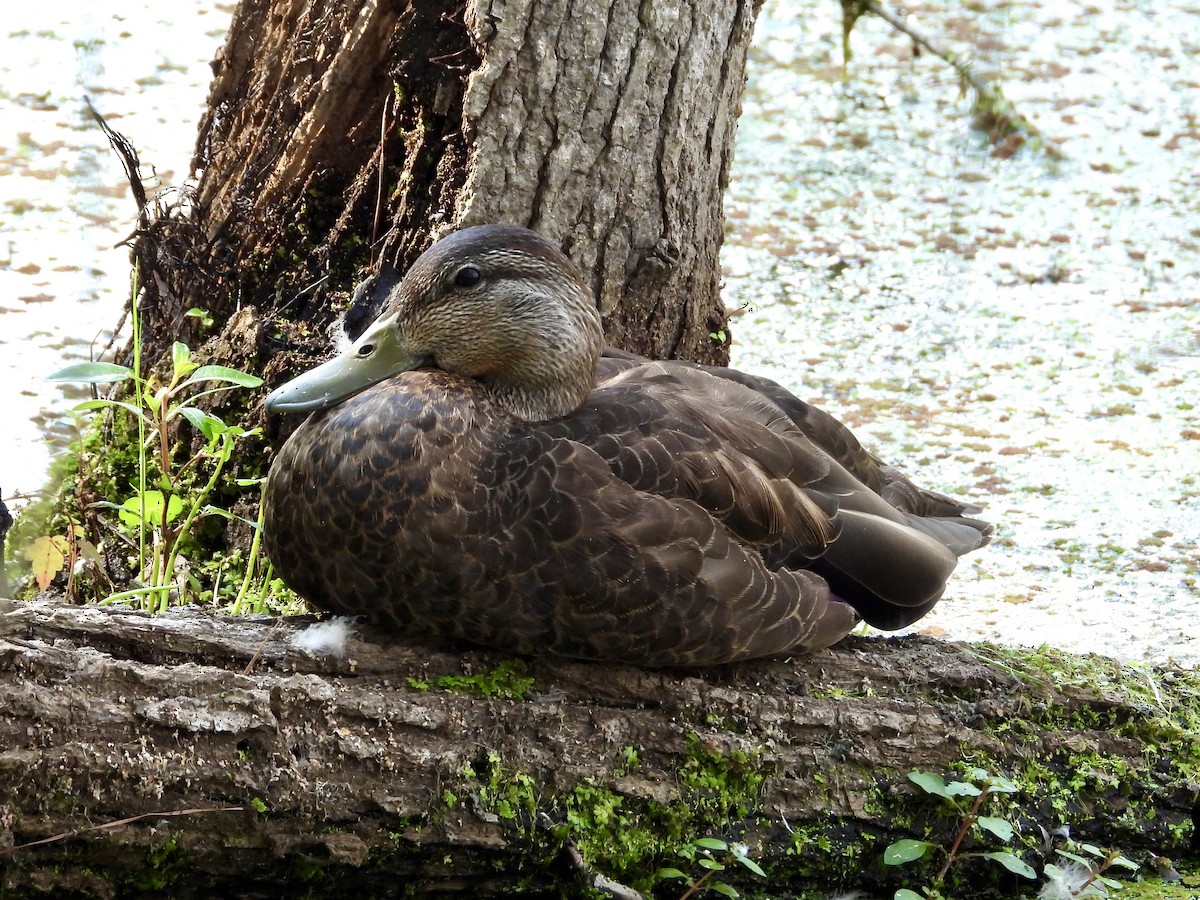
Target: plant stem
point(698, 884)
point(1078, 892)
point(140, 387)
point(967, 822)
point(254, 545)
point(196, 506)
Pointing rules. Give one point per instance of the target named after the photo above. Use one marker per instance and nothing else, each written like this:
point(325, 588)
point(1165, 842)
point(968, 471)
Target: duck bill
point(376, 355)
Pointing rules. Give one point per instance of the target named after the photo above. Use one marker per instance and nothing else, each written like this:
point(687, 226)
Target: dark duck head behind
point(478, 467)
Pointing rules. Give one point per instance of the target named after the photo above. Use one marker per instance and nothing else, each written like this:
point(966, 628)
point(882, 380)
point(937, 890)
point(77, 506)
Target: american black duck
point(477, 466)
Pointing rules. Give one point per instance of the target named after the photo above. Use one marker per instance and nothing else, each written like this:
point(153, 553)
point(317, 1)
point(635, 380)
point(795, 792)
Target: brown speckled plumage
point(674, 515)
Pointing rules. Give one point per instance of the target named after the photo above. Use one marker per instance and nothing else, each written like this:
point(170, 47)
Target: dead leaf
point(48, 555)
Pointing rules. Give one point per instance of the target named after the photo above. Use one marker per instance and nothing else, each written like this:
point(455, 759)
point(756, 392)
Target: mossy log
point(201, 756)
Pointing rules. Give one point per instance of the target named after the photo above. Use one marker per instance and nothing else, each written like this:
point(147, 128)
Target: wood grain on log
point(346, 771)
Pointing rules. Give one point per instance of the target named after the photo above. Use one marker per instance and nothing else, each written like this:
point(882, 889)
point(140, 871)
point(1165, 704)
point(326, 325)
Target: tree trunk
point(202, 757)
point(341, 131)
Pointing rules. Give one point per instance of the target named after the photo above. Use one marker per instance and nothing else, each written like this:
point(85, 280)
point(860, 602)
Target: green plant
point(702, 852)
point(1086, 877)
point(161, 508)
point(979, 787)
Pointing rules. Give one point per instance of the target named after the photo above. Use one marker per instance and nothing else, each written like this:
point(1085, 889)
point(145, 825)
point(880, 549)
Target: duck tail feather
point(958, 535)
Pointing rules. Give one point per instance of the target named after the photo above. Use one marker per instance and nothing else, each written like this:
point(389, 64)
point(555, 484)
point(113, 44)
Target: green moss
point(305, 869)
point(164, 865)
point(625, 836)
point(1156, 889)
point(1085, 780)
point(508, 679)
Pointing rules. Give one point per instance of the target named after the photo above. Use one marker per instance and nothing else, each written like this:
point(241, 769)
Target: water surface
point(1024, 331)
point(64, 201)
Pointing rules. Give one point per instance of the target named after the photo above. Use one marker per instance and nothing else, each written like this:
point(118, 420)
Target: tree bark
point(204, 757)
point(339, 132)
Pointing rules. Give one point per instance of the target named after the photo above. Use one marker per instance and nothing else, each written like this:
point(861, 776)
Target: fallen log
point(192, 755)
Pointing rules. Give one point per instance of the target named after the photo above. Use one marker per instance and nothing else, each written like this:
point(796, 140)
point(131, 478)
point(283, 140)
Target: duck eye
point(468, 276)
point(366, 349)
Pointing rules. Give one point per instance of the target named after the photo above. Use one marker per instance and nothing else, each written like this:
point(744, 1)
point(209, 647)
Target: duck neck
point(540, 402)
point(555, 369)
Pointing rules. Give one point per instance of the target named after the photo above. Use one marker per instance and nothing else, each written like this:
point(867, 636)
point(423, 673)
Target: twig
point(599, 882)
point(383, 120)
point(962, 68)
point(117, 824)
point(128, 155)
point(590, 876)
point(262, 647)
point(994, 113)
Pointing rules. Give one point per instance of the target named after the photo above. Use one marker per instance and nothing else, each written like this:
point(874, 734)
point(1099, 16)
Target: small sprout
point(205, 317)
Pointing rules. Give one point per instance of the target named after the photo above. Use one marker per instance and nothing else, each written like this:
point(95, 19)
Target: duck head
point(498, 304)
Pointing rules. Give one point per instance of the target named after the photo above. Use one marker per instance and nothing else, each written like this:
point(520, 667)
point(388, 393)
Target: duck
point(477, 466)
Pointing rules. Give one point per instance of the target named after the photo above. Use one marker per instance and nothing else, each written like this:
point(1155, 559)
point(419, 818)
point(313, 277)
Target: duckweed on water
point(1022, 331)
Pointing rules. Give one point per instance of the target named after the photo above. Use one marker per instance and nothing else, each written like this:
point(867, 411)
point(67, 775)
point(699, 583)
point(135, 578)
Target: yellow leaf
point(47, 554)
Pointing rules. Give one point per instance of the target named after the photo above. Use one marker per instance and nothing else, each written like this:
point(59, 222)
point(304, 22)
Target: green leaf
point(711, 843)
point(905, 851)
point(751, 865)
point(1125, 863)
point(101, 404)
point(248, 482)
point(131, 509)
point(1001, 828)
point(1001, 785)
point(669, 873)
point(92, 373)
point(906, 894)
point(1014, 864)
point(206, 423)
point(1083, 861)
point(181, 359)
point(930, 783)
point(210, 510)
point(203, 315)
point(1093, 850)
point(722, 888)
point(962, 789)
point(709, 863)
point(225, 374)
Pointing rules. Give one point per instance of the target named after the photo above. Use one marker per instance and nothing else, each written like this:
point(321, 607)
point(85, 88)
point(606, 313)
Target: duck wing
point(652, 579)
point(946, 518)
point(941, 516)
point(786, 478)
